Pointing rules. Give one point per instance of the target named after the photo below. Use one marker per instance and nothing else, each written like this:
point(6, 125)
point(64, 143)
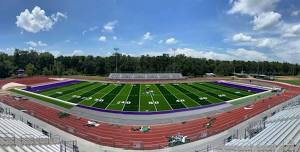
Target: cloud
point(295, 13)
point(114, 37)
point(247, 55)
point(9, 51)
point(77, 53)
point(265, 20)
point(36, 44)
point(102, 38)
point(37, 20)
point(160, 41)
point(110, 26)
point(171, 40)
point(290, 30)
point(240, 37)
point(91, 29)
point(235, 54)
point(147, 36)
point(247, 40)
point(252, 7)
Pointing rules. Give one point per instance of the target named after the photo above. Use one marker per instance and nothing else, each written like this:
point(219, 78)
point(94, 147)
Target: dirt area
point(287, 77)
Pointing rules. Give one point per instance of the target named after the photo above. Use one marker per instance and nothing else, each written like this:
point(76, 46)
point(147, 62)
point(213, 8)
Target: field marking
point(104, 95)
point(127, 98)
point(163, 96)
point(58, 100)
point(140, 98)
point(63, 89)
point(219, 91)
point(145, 99)
point(116, 96)
point(153, 101)
point(174, 94)
point(199, 94)
point(198, 104)
point(94, 95)
point(81, 93)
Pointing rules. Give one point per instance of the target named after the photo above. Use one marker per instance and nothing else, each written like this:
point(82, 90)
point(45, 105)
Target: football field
point(144, 97)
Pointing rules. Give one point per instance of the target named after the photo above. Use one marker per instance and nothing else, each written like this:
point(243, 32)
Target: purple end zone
point(50, 86)
point(238, 86)
point(152, 112)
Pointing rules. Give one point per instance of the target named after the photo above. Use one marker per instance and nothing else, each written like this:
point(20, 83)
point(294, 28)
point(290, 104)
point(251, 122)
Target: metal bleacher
point(145, 76)
point(282, 131)
point(16, 136)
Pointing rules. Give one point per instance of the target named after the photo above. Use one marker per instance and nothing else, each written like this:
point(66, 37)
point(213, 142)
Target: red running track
point(121, 136)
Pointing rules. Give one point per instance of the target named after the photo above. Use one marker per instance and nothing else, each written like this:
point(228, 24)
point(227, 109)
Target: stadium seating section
point(145, 76)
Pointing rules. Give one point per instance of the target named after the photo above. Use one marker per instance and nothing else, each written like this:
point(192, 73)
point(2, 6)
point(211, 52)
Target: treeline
point(35, 63)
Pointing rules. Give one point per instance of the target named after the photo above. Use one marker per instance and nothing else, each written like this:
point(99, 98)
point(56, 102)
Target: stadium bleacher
point(145, 76)
point(16, 136)
point(281, 130)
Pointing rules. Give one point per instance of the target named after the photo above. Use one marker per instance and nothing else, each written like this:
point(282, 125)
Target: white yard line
point(115, 97)
point(127, 98)
point(59, 100)
point(140, 98)
point(102, 96)
point(257, 94)
point(163, 97)
point(151, 95)
point(174, 94)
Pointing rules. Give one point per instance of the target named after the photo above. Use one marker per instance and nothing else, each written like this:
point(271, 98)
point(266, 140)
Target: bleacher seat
point(283, 128)
point(145, 76)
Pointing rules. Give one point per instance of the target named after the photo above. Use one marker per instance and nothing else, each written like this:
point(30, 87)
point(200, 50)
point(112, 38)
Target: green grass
point(45, 99)
point(142, 97)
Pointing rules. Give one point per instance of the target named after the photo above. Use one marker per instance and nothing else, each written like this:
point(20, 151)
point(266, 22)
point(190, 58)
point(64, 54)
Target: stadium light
point(116, 51)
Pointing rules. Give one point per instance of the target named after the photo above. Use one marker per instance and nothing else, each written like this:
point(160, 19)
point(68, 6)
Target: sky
point(260, 30)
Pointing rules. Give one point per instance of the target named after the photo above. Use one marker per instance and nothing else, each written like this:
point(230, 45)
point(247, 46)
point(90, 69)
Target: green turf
point(122, 96)
point(45, 99)
point(109, 97)
point(144, 97)
point(187, 100)
point(134, 99)
point(170, 97)
point(99, 95)
point(61, 89)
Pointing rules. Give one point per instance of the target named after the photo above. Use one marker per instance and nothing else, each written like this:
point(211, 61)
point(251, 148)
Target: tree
point(29, 69)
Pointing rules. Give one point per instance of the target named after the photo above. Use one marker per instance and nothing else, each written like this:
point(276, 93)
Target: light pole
point(174, 50)
point(116, 54)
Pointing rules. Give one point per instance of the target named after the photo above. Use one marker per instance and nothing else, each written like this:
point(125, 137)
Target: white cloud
point(238, 54)
point(9, 51)
point(77, 53)
point(240, 37)
point(268, 42)
point(295, 13)
point(102, 38)
point(37, 20)
point(247, 55)
point(171, 40)
point(252, 7)
point(110, 26)
point(114, 37)
point(36, 44)
point(160, 41)
point(247, 40)
point(91, 29)
point(265, 20)
point(290, 30)
point(147, 36)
